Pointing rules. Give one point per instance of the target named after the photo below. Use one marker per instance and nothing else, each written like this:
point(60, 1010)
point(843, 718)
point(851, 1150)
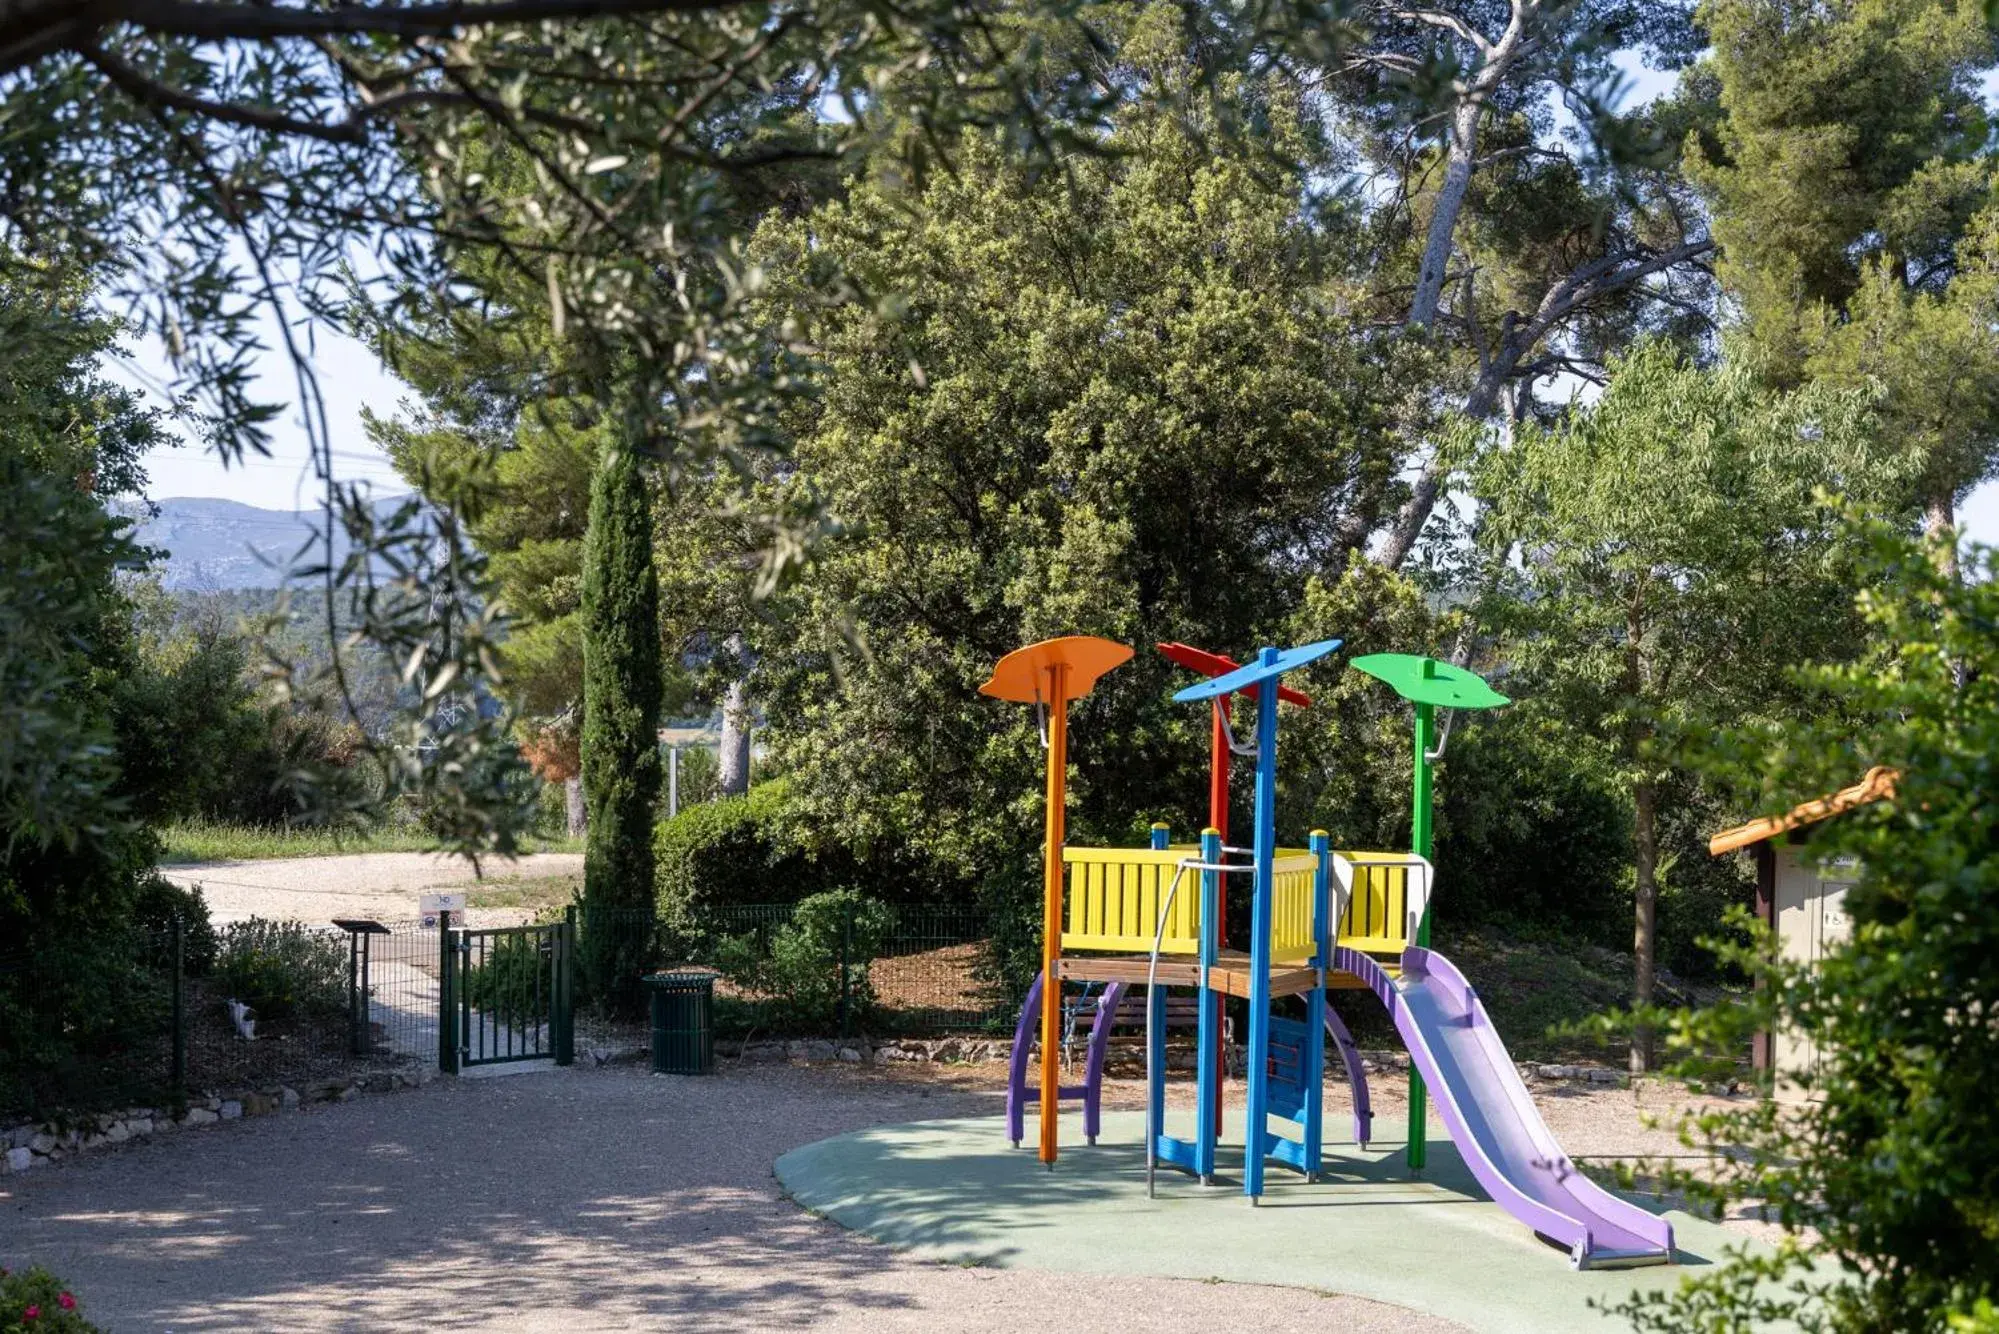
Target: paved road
point(381, 885)
point(566, 1202)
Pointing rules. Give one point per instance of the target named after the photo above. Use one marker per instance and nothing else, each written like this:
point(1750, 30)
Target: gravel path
point(558, 1203)
point(381, 885)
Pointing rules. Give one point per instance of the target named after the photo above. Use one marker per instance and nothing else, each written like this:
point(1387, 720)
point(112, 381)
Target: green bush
point(1532, 829)
point(282, 969)
point(160, 903)
point(34, 1301)
point(1886, 1179)
point(794, 970)
point(729, 853)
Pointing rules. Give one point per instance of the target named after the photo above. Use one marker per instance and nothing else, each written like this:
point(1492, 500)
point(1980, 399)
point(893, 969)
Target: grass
point(535, 894)
point(199, 841)
point(1531, 984)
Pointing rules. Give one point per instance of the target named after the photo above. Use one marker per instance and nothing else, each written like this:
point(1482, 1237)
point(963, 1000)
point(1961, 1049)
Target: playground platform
point(952, 1191)
point(1230, 974)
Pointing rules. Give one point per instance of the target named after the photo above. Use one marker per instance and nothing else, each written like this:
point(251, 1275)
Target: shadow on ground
point(569, 1201)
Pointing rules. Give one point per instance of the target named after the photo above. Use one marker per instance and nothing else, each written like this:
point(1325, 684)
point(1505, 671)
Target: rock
point(1603, 1077)
point(20, 1135)
point(851, 1055)
point(117, 1132)
point(140, 1125)
point(949, 1050)
point(230, 1110)
point(347, 1094)
point(20, 1158)
point(42, 1144)
point(288, 1098)
point(198, 1116)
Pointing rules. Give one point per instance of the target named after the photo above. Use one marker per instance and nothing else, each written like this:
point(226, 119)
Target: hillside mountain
point(222, 544)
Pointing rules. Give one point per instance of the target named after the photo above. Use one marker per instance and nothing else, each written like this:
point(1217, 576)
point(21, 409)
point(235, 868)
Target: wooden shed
point(1803, 901)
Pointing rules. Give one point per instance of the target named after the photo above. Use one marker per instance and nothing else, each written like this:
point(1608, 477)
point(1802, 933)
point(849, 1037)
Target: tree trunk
point(1449, 203)
point(572, 800)
point(1645, 938)
point(738, 719)
point(1940, 520)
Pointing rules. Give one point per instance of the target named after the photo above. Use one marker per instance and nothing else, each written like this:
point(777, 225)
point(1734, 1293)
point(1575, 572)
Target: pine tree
point(621, 696)
point(1857, 203)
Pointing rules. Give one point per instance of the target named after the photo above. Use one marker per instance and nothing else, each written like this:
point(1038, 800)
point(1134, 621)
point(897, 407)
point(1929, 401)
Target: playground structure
point(1320, 919)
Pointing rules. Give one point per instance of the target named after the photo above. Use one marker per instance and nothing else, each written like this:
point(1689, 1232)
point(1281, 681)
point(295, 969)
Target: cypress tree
point(621, 696)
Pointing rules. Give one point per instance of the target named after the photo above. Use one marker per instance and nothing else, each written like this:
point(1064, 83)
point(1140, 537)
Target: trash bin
point(683, 1023)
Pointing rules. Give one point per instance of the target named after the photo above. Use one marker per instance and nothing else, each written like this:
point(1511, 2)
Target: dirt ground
point(380, 885)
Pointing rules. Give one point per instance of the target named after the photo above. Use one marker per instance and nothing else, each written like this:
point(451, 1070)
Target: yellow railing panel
point(1377, 915)
point(1291, 907)
point(1115, 896)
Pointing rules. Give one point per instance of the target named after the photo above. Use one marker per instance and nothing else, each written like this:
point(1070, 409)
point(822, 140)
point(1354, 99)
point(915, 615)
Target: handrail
point(1151, 1010)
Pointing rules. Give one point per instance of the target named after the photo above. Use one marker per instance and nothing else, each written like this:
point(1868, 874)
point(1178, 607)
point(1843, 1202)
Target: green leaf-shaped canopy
point(1428, 681)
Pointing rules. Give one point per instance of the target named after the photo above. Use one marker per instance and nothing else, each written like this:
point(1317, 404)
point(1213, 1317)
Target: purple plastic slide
point(1493, 1121)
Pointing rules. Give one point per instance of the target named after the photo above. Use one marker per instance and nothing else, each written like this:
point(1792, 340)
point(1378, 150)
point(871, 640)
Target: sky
point(351, 379)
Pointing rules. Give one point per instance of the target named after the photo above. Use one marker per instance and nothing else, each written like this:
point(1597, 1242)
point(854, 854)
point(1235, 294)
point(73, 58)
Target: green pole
point(1420, 843)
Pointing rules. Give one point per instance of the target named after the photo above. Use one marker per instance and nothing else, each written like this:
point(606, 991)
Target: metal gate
point(506, 993)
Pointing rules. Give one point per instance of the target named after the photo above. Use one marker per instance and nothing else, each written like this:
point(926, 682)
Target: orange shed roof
point(1878, 785)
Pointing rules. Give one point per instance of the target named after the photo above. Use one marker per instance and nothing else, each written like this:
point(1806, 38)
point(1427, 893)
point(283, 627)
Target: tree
point(621, 691)
point(1852, 186)
point(1674, 560)
point(68, 441)
point(205, 158)
point(1126, 401)
point(1532, 253)
point(1886, 1179)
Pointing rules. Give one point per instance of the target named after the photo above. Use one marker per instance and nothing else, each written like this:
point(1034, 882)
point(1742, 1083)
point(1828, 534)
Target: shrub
point(34, 1301)
point(281, 969)
point(795, 969)
point(160, 903)
point(1886, 1180)
point(729, 853)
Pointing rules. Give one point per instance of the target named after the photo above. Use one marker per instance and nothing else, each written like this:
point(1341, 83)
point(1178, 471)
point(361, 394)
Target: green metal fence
point(143, 1018)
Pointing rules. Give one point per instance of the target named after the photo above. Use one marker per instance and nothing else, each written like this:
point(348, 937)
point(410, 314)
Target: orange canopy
point(1022, 675)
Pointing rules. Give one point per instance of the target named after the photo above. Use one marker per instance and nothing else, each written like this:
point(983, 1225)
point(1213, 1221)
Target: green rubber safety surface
point(956, 1191)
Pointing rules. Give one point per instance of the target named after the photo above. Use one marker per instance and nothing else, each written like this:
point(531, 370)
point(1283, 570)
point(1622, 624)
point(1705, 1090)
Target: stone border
point(1179, 1056)
point(32, 1144)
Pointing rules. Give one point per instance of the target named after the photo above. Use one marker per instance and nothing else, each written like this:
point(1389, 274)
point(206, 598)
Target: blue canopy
point(1258, 671)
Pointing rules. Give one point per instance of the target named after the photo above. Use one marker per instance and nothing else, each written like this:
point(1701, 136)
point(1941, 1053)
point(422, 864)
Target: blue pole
point(1324, 932)
point(1207, 1126)
point(1256, 1128)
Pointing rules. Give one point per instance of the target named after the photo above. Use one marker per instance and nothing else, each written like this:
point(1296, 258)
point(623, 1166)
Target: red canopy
point(1218, 664)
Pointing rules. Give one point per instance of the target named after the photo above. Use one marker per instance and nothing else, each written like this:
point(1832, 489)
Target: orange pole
point(1051, 918)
